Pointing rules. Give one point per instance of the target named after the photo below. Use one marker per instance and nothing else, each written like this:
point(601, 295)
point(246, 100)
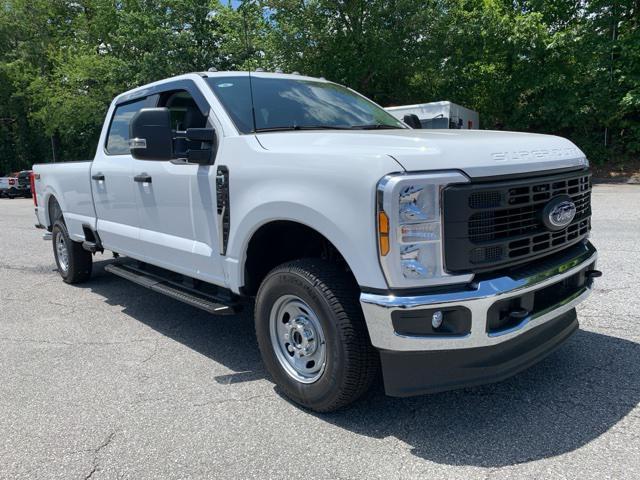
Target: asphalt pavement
point(107, 380)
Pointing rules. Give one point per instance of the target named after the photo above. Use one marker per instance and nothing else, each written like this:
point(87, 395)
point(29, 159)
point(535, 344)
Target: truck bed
point(70, 183)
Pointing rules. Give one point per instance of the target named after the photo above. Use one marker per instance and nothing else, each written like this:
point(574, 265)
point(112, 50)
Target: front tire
point(74, 262)
point(312, 335)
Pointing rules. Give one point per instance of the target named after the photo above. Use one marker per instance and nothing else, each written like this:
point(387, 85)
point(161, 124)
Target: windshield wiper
point(375, 126)
point(301, 127)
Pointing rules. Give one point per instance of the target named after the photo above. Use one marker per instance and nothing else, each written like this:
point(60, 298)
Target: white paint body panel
point(177, 220)
point(70, 184)
point(330, 191)
point(478, 153)
point(323, 179)
point(116, 210)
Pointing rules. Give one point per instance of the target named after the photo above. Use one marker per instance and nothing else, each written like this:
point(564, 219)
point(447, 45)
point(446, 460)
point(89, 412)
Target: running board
point(190, 296)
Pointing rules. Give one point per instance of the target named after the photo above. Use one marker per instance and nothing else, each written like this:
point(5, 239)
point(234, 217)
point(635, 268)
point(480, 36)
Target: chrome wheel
point(61, 250)
point(297, 339)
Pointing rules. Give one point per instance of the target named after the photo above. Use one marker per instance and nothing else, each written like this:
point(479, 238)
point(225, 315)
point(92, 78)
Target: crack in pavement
point(33, 269)
point(61, 342)
point(156, 348)
point(96, 453)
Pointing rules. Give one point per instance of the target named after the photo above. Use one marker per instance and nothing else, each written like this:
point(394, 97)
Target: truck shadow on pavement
point(560, 404)
point(566, 401)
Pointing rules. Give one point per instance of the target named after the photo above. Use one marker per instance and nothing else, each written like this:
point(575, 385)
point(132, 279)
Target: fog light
point(436, 319)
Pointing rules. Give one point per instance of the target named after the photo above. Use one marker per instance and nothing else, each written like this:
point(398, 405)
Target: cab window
point(184, 114)
point(118, 137)
point(184, 110)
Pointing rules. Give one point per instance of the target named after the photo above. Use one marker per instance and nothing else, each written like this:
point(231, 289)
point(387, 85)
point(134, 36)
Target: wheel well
point(54, 210)
point(282, 241)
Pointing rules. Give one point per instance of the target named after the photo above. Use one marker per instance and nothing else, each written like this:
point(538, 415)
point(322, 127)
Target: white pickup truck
point(443, 258)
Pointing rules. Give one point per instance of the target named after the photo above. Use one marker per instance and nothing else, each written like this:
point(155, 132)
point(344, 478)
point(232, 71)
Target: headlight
point(410, 229)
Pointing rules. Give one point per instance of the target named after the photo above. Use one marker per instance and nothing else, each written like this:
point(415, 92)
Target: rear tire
point(312, 335)
point(74, 262)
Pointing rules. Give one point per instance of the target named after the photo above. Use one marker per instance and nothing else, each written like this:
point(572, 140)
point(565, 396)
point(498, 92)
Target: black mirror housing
point(201, 135)
point(412, 120)
point(207, 136)
point(150, 134)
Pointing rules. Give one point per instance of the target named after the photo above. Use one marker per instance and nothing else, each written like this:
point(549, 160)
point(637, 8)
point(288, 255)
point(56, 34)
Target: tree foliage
point(557, 66)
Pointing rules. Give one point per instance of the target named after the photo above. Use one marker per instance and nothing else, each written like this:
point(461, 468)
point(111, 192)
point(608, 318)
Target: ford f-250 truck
point(447, 258)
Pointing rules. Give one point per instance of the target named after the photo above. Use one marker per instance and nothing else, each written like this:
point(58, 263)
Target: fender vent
point(222, 200)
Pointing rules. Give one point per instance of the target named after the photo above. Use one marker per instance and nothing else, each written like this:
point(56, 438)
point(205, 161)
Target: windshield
point(292, 104)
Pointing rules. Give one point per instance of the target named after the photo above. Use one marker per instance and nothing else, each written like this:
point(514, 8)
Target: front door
point(176, 202)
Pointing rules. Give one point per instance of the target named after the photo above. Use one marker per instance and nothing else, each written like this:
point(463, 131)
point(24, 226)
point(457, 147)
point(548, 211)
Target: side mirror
point(412, 120)
point(206, 136)
point(201, 135)
point(150, 134)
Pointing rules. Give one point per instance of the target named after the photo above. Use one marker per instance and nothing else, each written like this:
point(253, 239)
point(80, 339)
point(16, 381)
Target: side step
point(191, 296)
point(92, 241)
point(91, 246)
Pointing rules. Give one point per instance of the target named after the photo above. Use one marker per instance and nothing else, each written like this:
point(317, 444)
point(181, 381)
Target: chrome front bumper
point(378, 308)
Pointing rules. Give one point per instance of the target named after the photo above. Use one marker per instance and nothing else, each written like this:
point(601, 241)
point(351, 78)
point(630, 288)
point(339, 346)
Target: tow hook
point(593, 273)
point(519, 314)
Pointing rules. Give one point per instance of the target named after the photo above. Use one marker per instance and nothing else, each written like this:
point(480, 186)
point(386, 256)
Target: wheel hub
point(297, 339)
point(302, 337)
point(61, 249)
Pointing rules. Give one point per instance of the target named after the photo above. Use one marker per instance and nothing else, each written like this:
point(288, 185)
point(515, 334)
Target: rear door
point(112, 182)
point(176, 201)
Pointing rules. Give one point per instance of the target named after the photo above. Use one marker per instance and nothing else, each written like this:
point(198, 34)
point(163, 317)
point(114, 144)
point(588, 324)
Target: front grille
point(497, 224)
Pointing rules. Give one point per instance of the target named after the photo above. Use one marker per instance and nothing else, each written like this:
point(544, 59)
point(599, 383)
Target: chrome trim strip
point(377, 308)
point(486, 288)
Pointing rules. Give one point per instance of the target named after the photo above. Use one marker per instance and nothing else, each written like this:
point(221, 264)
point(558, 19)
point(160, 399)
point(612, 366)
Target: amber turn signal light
point(383, 233)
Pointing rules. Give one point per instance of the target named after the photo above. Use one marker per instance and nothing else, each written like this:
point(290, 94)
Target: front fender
point(362, 259)
point(331, 192)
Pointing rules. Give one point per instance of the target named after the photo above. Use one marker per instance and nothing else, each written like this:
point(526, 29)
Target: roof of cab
point(262, 74)
point(255, 74)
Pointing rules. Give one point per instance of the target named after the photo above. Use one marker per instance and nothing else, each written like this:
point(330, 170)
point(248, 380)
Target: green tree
point(569, 68)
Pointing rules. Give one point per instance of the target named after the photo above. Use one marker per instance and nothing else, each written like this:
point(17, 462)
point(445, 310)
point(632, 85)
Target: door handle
point(98, 177)
point(142, 178)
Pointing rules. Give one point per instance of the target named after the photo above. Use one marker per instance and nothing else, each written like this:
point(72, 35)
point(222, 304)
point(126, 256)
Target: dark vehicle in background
point(22, 186)
point(6, 184)
point(16, 185)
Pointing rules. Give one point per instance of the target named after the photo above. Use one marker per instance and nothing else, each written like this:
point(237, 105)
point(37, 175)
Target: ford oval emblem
point(559, 212)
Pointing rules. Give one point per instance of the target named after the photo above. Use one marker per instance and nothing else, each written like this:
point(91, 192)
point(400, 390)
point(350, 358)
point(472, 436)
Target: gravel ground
point(108, 380)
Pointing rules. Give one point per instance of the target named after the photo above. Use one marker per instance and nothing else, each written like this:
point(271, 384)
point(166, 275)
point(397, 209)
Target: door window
point(184, 114)
point(184, 111)
point(118, 137)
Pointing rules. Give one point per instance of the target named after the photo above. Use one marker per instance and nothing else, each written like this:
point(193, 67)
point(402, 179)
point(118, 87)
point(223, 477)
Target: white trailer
point(439, 115)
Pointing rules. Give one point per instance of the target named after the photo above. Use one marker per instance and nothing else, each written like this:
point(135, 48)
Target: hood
point(478, 153)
